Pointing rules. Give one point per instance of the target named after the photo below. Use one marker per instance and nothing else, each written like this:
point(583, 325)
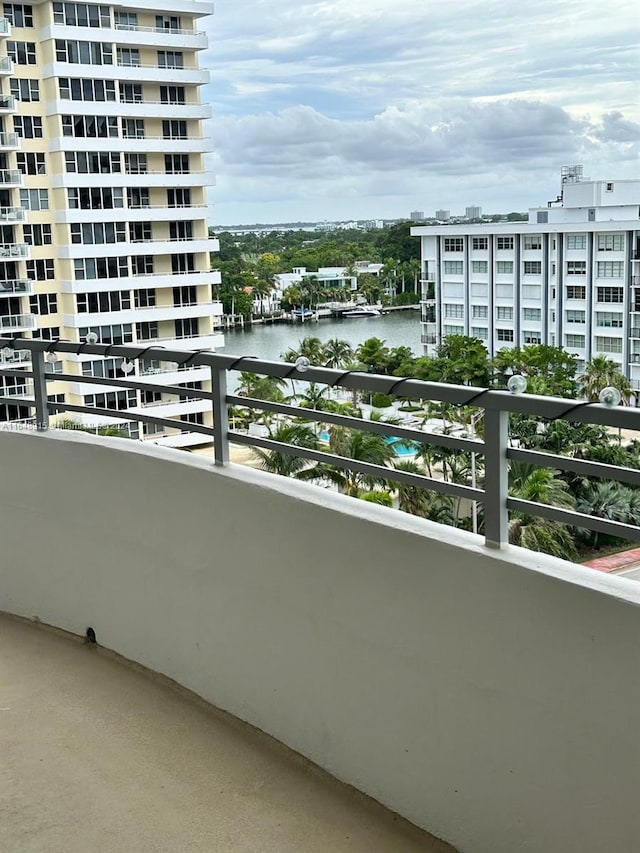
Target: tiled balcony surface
point(99, 756)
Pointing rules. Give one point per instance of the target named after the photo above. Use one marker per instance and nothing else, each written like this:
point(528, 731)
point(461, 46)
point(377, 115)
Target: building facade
point(569, 277)
point(103, 198)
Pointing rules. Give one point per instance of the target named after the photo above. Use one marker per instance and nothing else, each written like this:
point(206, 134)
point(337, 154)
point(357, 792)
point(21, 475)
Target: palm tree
point(599, 373)
point(373, 354)
point(540, 485)
point(549, 537)
point(286, 464)
point(309, 347)
point(352, 444)
point(261, 387)
point(610, 500)
point(337, 353)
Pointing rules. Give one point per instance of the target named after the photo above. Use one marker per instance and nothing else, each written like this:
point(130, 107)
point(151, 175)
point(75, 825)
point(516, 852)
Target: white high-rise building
point(103, 200)
point(569, 276)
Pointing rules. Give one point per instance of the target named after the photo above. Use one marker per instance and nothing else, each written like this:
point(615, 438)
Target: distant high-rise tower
point(473, 212)
point(103, 203)
point(443, 215)
point(416, 216)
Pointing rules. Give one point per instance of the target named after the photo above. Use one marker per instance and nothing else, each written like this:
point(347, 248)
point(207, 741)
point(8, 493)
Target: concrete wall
point(490, 697)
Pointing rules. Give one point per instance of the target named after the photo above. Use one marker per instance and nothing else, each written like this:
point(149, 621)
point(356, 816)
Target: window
point(180, 230)
point(41, 270)
point(139, 232)
point(93, 162)
point(81, 15)
point(126, 20)
point(172, 95)
point(90, 268)
point(138, 197)
point(453, 330)
point(189, 328)
point(95, 198)
point(480, 243)
point(135, 164)
point(174, 130)
point(610, 269)
point(609, 294)
point(183, 263)
point(52, 334)
point(37, 235)
point(193, 418)
point(479, 332)
point(25, 89)
point(531, 337)
point(504, 291)
point(576, 267)
point(146, 331)
point(22, 52)
point(34, 199)
point(142, 264)
point(117, 334)
point(176, 164)
point(129, 56)
point(453, 244)
point(576, 241)
point(576, 316)
point(85, 89)
point(532, 314)
point(604, 344)
point(505, 335)
point(31, 164)
point(145, 298)
point(44, 303)
point(169, 23)
point(170, 59)
point(84, 52)
point(453, 267)
point(504, 267)
point(98, 303)
point(28, 127)
point(504, 312)
point(456, 311)
point(479, 266)
point(610, 319)
point(90, 233)
point(130, 93)
point(609, 188)
point(531, 291)
point(479, 290)
point(610, 242)
point(179, 198)
point(532, 241)
point(133, 128)
point(574, 341)
point(18, 14)
point(533, 267)
point(542, 216)
point(90, 126)
point(116, 400)
point(576, 291)
point(105, 368)
point(188, 295)
point(503, 243)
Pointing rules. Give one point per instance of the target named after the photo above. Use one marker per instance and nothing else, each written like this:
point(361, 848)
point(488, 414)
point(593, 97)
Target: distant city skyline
point(371, 110)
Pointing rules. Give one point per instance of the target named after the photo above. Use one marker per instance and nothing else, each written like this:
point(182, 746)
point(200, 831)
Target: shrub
point(381, 401)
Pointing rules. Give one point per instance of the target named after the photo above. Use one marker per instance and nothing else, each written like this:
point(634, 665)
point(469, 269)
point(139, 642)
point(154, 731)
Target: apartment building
point(569, 276)
point(103, 204)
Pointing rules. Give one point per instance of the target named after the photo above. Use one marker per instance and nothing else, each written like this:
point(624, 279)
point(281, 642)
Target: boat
point(363, 311)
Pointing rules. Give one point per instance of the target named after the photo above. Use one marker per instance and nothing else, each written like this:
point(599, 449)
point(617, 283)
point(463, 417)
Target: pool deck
point(101, 756)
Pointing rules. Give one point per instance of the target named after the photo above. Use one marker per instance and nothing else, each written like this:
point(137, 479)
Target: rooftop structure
point(103, 195)
point(569, 276)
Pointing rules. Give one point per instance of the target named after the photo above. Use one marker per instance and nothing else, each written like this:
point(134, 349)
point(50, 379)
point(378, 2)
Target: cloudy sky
point(340, 109)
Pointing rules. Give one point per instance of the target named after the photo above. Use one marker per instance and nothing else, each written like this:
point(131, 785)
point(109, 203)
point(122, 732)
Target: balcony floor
point(100, 756)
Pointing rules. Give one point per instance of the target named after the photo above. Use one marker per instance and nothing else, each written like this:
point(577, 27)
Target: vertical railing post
point(38, 369)
point(496, 485)
point(220, 416)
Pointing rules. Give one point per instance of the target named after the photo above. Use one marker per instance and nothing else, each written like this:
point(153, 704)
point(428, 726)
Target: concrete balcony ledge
point(489, 696)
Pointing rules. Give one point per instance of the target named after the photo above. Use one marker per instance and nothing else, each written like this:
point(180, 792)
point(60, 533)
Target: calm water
point(401, 328)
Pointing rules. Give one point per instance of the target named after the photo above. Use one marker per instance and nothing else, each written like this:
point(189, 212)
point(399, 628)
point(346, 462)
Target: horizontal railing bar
point(133, 384)
point(379, 471)
point(132, 416)
point(19, 374)
point(575, 519)
point(577, 466)
point(378, 427)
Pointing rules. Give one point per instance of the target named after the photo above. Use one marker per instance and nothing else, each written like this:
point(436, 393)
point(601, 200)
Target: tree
point(261, 387)
point(287, 464)
point(337, 353)
point(309, 347)
point(462, 360)
point(538, 362)
point(373, 354)
point(352, 444)
point(540, 485)
point(599, 373)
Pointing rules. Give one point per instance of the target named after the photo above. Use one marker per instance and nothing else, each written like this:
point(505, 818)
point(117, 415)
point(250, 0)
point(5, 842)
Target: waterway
point(270, 341)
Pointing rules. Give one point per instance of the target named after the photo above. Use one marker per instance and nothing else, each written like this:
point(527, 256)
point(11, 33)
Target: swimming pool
point(400, 446)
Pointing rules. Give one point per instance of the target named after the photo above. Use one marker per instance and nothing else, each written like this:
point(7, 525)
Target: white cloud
point(369, 104)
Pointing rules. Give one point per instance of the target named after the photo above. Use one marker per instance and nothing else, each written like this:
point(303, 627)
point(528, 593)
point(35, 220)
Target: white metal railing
point(18, 321)
point(5, 27)
point(18, 287)
point(9, 140)
point(14, 250)
point(12, 214)
point(6, 64)
point(155, 67)
point(7, 102)
point(160, 30)
point(10, 176)
point(24, 389)
point(145, 101)
point(14, 356)
point(496, 407)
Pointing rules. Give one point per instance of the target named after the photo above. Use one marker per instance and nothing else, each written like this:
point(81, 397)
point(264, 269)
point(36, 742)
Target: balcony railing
point(12, 214)
point(495, 405)
point(10, 176)
point(7, 103)
point(14, 250)
point(17, 321)
point(19, 287)
point(9, 140)
point(161, 30)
